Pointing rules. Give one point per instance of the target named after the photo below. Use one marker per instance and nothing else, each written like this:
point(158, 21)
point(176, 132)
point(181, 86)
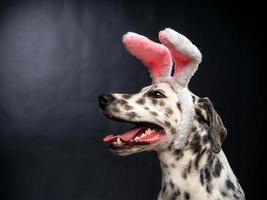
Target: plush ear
point(185, 55)
point(154, 55)
point(217, 131)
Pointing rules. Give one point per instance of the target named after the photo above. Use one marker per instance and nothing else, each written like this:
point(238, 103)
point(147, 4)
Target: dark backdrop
point(57, 56)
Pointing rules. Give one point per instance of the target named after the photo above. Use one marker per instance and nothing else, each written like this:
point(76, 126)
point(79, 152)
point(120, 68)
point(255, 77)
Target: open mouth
point(143, 133)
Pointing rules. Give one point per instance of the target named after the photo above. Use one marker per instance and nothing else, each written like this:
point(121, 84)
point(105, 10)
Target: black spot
point(193, 98)
point(173, 165)
point(126, 96)
point(164, 187)
point(210, 160)
point(179, 154)
point(173, 130)
point(198, 157)
point(195, 143)
point(194, 128)
point(189, 167)
point(141, 101)
point(186, 196)
point(154, 113)
point(171, 184)
point(167, 124)
point(178, 106)
point(236, 197)
point(146, 108)
point(208, 188)
point(162, 103)
point(116, 110)
point(178, 192)
point(154, 101)
point(205, 139)
point(187, 170)
point(164, 165)
point(127, 107)
point(229, 184)
point(224, 193)
point(175, 195)
point(177, 151)
point(202, 177)
point(123, 102)
point(184, 174)
point(200, 117)
point(169, 110)
point(217, 169)
point(132, 115)
point(207, 175)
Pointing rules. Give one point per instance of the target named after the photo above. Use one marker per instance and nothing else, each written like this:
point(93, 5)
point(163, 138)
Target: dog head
point(162, 113)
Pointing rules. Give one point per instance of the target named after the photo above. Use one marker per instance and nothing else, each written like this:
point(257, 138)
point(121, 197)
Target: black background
point(57, 56)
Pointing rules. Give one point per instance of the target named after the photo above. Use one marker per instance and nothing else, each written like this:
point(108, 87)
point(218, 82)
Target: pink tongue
point(125, 137)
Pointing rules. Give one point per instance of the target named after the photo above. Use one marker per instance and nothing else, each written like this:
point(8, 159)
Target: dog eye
point(156, 94)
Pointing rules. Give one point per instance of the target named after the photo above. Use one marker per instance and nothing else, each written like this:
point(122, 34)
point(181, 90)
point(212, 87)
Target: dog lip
point(141, 135)
point(106, 114)
point(127, 138)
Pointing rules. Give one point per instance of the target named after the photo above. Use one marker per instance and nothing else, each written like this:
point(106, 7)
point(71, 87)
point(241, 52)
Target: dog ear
point(186, 56)
point(217, 131)
point(154, 55)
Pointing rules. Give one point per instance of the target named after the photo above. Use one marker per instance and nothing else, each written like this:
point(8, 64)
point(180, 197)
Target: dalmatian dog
point(185, 130)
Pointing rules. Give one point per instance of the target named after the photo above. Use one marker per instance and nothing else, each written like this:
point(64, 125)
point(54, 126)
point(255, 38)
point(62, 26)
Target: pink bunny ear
point(185, 55)
point(154, 55)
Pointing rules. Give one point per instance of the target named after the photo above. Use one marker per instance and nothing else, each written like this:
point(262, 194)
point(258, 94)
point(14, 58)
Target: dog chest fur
point(197, 173)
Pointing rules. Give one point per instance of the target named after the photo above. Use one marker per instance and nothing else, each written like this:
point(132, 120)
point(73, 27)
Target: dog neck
point(196, 172)
point(181, 167)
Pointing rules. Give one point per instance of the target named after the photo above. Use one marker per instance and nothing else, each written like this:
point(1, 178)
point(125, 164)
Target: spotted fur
point(193, 164)
point(198, 171)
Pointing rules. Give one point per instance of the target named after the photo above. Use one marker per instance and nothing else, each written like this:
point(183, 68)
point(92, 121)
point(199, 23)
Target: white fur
point(186, 101)
point(186, 118)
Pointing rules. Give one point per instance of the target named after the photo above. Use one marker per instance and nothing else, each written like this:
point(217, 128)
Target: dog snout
point(105, 99)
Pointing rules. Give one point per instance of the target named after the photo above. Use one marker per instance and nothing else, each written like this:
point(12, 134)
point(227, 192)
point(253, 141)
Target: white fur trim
point(180, 81)
point(186, 119)
point(187, 107)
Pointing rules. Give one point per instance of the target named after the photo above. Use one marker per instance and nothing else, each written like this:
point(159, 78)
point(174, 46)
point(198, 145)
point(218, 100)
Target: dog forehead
point(158, 86)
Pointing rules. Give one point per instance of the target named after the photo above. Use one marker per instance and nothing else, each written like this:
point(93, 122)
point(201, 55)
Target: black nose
point(105, 99)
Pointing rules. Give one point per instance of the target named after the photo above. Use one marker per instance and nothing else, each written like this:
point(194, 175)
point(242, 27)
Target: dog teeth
point(119, 141)
point(147, 132)
point(136, 138)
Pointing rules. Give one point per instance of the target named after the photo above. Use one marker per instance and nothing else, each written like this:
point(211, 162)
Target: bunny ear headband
point(159, 60)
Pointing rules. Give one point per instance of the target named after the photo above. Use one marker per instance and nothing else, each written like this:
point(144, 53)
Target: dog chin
point(158, 146)
point(124, 152)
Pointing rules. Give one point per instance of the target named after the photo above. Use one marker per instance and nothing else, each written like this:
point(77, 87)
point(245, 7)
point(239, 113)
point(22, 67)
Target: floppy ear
point(186, 56)
point(154, 55)
point(217, 131)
